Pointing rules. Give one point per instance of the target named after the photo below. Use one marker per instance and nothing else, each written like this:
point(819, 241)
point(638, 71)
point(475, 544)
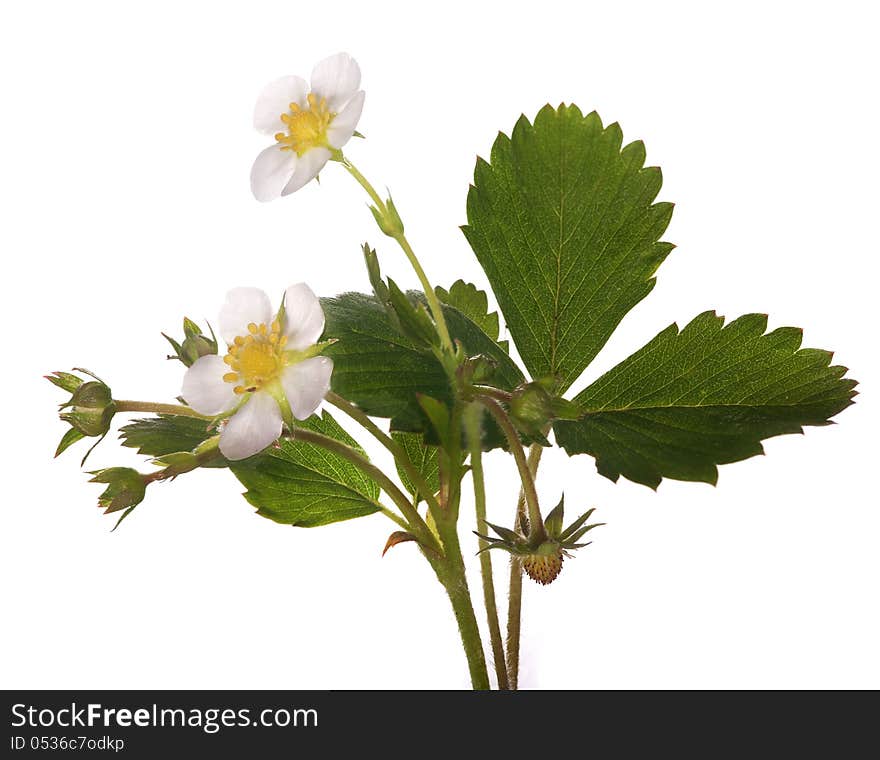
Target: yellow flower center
point(256, 358)
point(306, 127)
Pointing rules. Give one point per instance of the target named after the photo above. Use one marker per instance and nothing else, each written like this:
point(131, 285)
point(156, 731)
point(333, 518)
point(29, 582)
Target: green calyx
point(542, 556)
point(533, 406)
point(90, 409)
point(194, 345)
point(126, 488)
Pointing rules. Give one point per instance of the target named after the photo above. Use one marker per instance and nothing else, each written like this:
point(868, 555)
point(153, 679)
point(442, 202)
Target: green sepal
point(179, 460)
point(571, 529)
point(194, 345)
point(374, 272)
point(65, 381)
point(90, 408)
point(68, 439)
point(126, 488)
point(580, 534)
point(414, 320)
point(553, 521)
point(505, 533)
point(395, 223)
point(533, 406)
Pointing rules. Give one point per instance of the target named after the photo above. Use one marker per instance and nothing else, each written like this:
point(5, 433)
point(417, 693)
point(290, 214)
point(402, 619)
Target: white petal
point(305, 385)
point(271, 171)
point(243, 306)
point(307, 167)
point(304, 317)
point(336, 78)
point(275, 99)
point(204, 388)
point(342, 127)
point(251, 428)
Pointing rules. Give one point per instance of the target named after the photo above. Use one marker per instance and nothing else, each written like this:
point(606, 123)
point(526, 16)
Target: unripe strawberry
point(543, 567)
point(541, 554)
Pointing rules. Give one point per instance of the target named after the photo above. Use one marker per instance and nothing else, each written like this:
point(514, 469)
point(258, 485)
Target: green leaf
point(383, 372)
point(562, 221)
point(168, 434)
point(701, 397)
point(303, 484)
point(424, 458)
point(474, 304)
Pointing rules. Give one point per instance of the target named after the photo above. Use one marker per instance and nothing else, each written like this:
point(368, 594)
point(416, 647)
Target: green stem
point(398, 235)
point(393, 516)
point(536, 521)
point(414, 520)
point(446, 559)
point(496, 393)
point(514, 597)
point(389, 443)
point(450, 572)
point(149, 406)
point(472, 426)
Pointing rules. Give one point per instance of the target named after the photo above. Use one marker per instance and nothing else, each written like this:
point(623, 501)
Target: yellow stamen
point(256, 358)
point(306, 127)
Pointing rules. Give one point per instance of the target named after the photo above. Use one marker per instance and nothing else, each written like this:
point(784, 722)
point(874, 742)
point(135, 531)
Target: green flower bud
point(476, 369)
point(90, 409)
point(533, 406)
point(194, 345)
point(126, 488)
point(388, 220)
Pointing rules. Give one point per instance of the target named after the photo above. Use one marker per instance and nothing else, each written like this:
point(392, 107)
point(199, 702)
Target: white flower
point(308, 124)
point(270, 372)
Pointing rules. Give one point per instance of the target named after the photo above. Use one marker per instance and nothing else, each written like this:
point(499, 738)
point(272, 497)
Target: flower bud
point(476, 369)
point(126, 488)
point(388, 219)
point(194, 346)
point(90, 409)
point(533, 407)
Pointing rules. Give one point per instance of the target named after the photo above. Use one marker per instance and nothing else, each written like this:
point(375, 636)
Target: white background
point(125, 152)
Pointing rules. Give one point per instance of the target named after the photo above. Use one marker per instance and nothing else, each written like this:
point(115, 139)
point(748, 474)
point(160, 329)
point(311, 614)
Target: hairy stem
point(149, 406)
point(450, 572)
point(514, 597)
point(394, 517)
point(430, 295)
point(472, 426)
point(536, 521)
